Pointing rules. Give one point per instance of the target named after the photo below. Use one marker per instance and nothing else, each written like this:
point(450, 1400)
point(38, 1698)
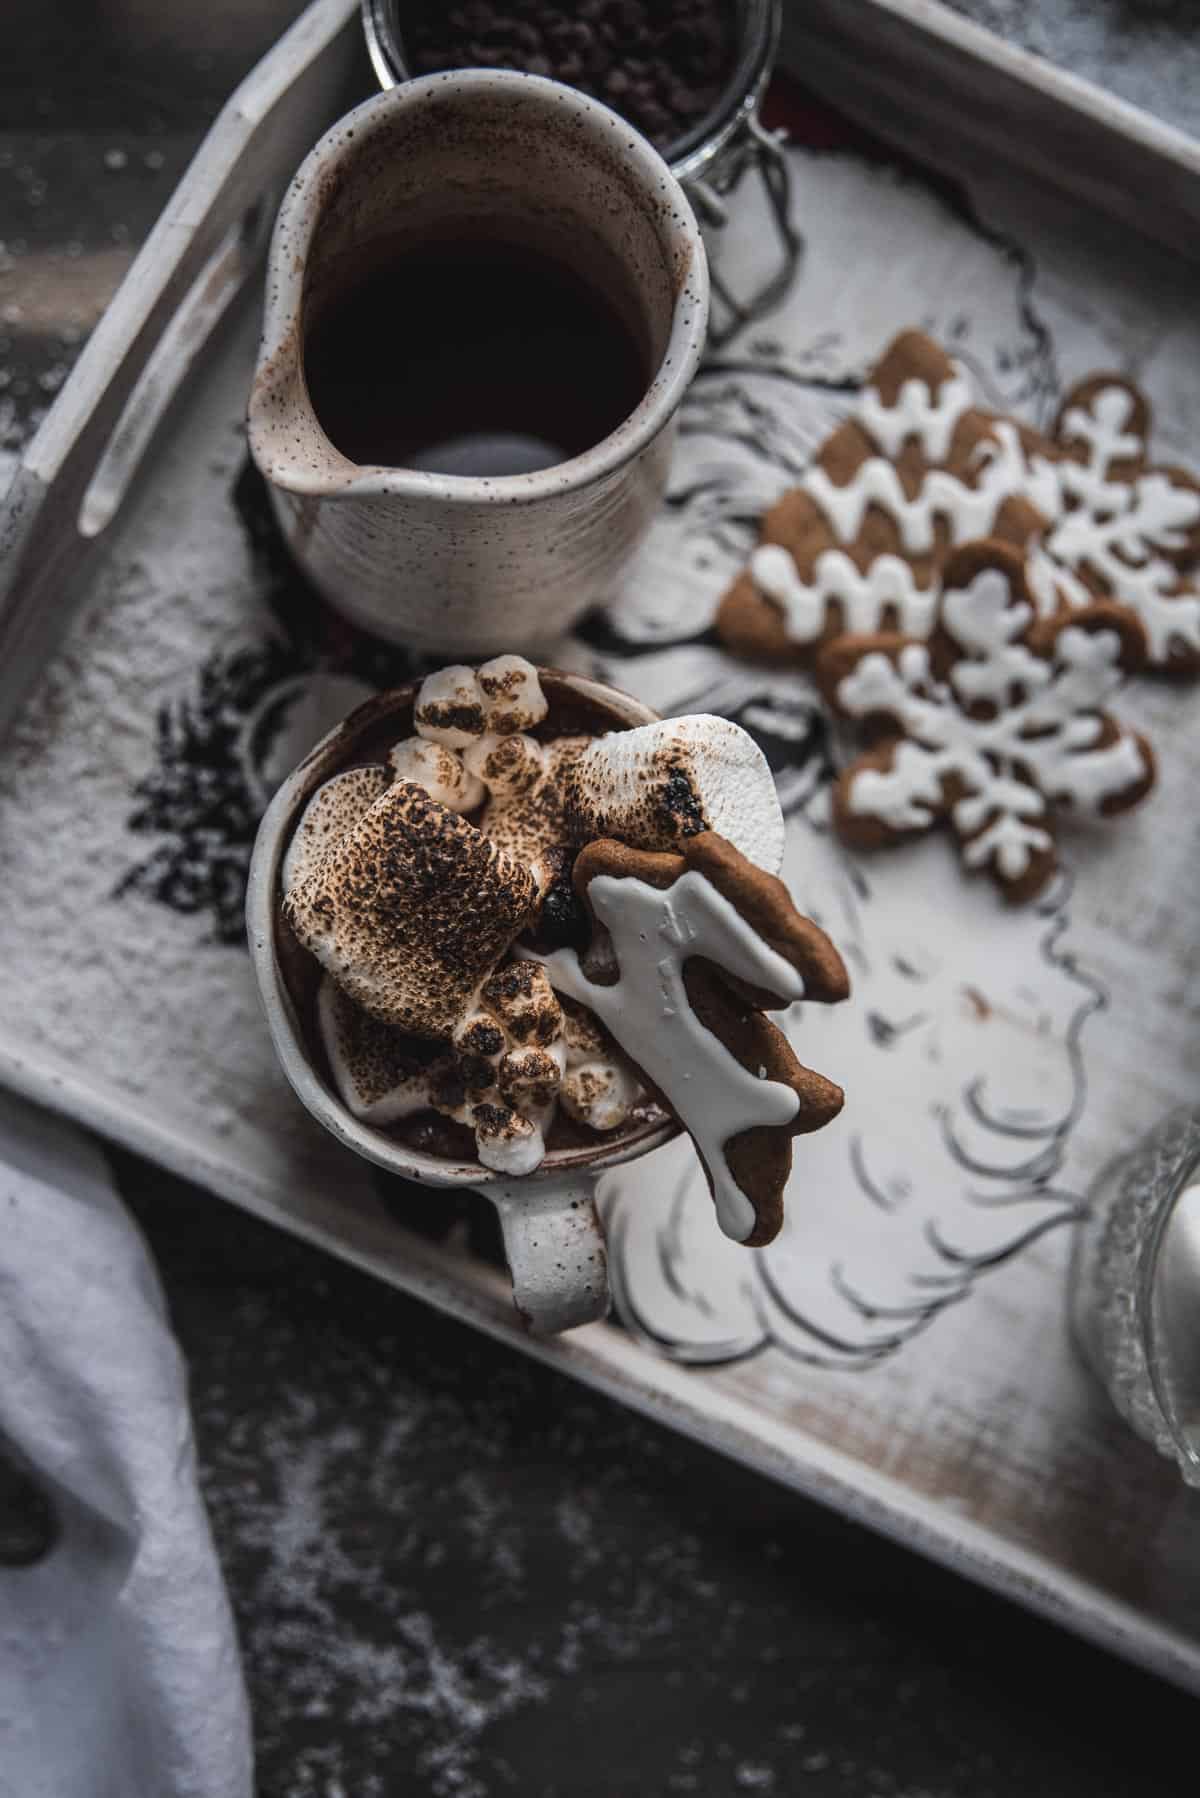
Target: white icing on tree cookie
point(968, 507)
point(917, 412)
point(970, 510)
point(889, 582)
point(1041, 746)
point(654, 933)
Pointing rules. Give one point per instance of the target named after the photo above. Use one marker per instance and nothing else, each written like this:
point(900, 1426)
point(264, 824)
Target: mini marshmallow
point(530, 1077)
point(333, 810)
point(506, 766)
point(480, 1036)
point(374, 1069)
point(440, 771)
point(479, 1043)
point(411, 910)
point(599, 1088)
point(450, 707)
point(582, 1034)
point(513, 694)
point(521, 997)
point(653, 786)
point(507, 1142)
point(600, 1094)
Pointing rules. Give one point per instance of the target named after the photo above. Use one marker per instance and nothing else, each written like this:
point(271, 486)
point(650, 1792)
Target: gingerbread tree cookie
point(992, 725)
point(860, 544)
point(919, 469)
point(700, 944)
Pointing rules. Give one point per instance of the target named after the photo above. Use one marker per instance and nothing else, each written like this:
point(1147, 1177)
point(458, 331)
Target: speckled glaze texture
point(460, 563)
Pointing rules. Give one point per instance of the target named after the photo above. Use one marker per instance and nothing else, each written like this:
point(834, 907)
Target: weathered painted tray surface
point(902, 1351)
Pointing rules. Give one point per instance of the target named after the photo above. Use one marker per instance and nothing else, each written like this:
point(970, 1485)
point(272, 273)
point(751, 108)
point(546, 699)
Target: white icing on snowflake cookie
point(1120, 528)
point(993, 725)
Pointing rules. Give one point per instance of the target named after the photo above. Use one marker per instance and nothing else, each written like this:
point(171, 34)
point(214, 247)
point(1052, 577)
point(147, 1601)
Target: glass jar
point(711, 159)
point(1135, 1287)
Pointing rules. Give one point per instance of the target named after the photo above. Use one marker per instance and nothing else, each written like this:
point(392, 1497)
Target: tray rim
point(609, 1361)
point(1075, 93)
point(601, 1356)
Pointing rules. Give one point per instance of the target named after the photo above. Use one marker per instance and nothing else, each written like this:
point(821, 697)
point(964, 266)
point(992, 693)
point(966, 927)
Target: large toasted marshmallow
point(656, 785)
point(375, 1070)
point(523, 816)
point(411, 910)
point(333, 810)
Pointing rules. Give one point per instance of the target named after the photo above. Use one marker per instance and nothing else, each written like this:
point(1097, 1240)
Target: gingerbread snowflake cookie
point(993, 725)
point(697, 945)
point(860, 544)
point(920, 468)
point(1119, 527)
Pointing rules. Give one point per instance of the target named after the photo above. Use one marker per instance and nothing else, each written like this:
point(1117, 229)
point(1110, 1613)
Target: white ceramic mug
point(552, 1235)
point(461, 563)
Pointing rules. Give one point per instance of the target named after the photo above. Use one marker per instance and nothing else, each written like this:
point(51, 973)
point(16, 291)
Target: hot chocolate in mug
point(486, 297)
point(552, 1235)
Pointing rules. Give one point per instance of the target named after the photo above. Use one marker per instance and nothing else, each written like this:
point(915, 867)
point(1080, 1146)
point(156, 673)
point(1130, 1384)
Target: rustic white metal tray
point(902, 1353)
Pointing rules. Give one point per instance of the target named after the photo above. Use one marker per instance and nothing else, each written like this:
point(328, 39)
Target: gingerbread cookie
point(920, 468)
point(860, 544)
point(1120, 527)
point(991, 724)
point(701, 942)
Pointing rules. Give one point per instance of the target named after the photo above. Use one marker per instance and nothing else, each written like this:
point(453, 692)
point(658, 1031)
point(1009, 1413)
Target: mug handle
point(554, 1245)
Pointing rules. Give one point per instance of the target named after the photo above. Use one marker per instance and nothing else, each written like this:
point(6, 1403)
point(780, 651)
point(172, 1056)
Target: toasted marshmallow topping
point(515, 701)
point(332, 811)
point(599, 1087)
point(600, 1094)
point(374, 1068)
point(501, 1075)
point(506, 766)
point(530, 824)
point(451, 708)
point(520, 997)
point(507, 1142)
point(653, 786)
point(411, 909)
point(444, 775)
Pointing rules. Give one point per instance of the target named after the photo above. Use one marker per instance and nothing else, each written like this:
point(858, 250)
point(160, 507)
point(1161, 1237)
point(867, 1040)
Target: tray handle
point(73, 478)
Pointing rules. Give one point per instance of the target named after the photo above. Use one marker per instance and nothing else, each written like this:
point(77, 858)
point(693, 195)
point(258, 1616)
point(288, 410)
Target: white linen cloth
point(119, 1669)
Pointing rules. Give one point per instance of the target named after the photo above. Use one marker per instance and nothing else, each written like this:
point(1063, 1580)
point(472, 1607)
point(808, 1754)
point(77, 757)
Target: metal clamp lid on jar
point(710, 160)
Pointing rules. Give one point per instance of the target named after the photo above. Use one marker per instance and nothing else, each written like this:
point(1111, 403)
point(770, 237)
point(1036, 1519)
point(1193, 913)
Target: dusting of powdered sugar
point(100, 975)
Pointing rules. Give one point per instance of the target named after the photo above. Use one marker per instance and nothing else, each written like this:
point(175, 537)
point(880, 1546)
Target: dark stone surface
point(456, 1574)
point(459, 1575)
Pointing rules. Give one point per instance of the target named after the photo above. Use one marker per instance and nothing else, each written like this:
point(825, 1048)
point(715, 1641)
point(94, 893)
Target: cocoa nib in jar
point(662, 64)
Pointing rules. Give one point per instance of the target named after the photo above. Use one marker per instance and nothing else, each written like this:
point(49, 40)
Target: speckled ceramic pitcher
point(462, 563)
